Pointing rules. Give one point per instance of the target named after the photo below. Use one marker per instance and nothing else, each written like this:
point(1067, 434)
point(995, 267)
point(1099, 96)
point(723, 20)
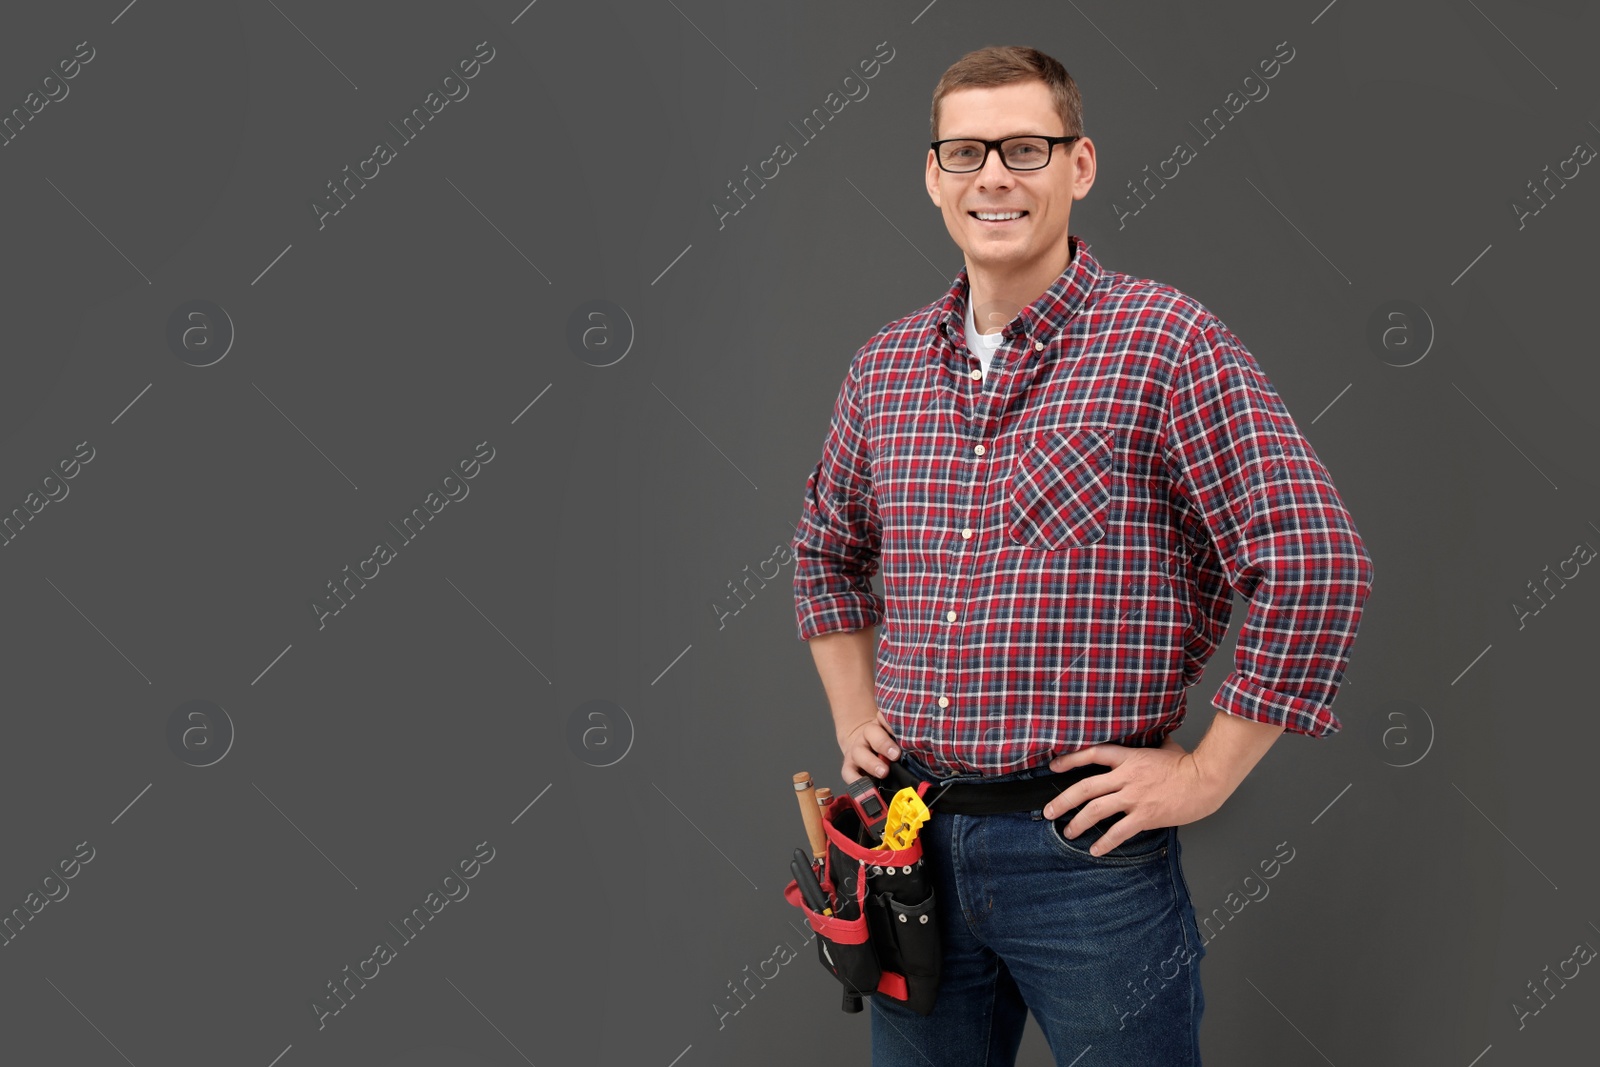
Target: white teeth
point(996, 216)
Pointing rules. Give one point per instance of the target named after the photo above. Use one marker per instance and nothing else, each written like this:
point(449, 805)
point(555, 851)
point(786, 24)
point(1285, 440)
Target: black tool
point(810, 889)
point(868, 802)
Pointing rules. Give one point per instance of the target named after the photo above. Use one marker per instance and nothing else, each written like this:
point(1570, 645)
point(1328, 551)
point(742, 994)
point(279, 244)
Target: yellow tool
point(907, 813)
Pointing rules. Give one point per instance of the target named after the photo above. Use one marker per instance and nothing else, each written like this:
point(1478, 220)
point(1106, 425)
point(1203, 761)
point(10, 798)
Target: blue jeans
point(1103, 950)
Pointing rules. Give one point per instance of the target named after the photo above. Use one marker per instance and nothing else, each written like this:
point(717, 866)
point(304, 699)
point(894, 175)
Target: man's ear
point(931, 178)
point(1082, 184)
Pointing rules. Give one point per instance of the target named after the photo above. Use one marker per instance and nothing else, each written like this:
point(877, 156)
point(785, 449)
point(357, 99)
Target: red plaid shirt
point(1059, 547)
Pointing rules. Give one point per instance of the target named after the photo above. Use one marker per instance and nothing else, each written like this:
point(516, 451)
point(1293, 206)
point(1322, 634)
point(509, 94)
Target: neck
point(997, 295)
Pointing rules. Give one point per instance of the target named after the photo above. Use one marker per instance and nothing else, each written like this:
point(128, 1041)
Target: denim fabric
point(1104, 951)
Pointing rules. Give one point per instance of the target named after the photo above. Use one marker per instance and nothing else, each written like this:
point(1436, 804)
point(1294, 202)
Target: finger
point(1093, 812)
point(1107, 753)
point(882, 741)
point(869, 761)
point(1114, 837)
point(1082, 792)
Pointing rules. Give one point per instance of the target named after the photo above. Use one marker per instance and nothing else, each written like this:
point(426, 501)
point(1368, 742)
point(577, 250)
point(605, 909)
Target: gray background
point(1442, 850)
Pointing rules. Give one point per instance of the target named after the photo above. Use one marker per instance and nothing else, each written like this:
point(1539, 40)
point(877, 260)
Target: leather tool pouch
point(883, 935)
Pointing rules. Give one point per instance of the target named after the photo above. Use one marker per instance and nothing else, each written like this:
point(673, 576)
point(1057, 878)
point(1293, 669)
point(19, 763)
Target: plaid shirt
point(1059, 549)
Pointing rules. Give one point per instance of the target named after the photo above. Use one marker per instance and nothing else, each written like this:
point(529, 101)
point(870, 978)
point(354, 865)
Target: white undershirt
point(982, 345)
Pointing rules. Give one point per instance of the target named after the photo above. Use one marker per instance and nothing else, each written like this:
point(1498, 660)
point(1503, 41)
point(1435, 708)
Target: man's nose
point(994, 171)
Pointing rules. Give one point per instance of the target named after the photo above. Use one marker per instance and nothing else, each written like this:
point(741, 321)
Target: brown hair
point(1004, 64)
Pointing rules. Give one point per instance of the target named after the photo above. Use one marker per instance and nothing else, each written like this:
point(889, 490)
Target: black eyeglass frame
point(998, 146)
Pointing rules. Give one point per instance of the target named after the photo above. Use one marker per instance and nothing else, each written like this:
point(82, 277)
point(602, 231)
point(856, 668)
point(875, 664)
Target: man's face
point(1046, 195)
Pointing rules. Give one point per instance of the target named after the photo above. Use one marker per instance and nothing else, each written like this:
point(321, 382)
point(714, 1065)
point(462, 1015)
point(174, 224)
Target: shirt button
point(979, 449)
point(944, 702)
point(951, 616)
point(966, 535)
point(977, 374)
point(1037, 345)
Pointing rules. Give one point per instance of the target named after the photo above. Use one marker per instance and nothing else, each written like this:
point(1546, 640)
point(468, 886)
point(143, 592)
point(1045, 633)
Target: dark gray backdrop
point(553, 668)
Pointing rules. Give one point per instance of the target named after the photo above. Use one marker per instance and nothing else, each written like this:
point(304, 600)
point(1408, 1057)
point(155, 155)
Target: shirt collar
point(1045, 318)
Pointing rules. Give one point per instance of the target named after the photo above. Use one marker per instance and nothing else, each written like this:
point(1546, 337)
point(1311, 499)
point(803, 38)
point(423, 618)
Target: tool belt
point(973, 797)
point(883, 935)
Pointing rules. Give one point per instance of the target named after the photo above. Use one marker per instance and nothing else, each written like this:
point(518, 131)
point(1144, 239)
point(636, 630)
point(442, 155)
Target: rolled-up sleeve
point(1283, 535)
point(837, 540)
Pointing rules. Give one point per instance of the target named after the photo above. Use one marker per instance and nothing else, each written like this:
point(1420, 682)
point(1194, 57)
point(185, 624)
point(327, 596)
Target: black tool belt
point(883, 935)
point(975, 797)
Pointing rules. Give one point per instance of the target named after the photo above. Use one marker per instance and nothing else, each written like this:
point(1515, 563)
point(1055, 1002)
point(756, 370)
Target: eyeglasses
point(963, 155)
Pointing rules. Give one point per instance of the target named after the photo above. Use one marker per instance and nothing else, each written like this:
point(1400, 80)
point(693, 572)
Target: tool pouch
point(883, 935)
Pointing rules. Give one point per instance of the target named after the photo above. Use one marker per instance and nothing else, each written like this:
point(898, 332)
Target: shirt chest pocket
point(1059, 495)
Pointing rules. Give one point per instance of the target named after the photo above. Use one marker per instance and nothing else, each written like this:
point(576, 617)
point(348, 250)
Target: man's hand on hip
point(866, 747)
point(1153, 787)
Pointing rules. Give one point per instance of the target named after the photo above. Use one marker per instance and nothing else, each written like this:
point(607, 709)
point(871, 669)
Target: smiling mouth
point(1011, 217)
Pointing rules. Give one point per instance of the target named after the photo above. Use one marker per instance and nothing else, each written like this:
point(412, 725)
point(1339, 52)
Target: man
point(1064, 473)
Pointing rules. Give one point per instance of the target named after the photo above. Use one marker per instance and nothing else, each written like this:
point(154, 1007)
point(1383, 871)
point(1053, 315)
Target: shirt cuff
point(838, 612)
point(1248, 700)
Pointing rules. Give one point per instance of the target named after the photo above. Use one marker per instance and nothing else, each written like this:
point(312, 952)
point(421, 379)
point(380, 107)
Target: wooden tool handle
point(810, 814)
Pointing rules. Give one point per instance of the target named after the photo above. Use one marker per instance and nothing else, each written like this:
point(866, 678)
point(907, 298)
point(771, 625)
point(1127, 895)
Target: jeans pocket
point(1145, 846)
